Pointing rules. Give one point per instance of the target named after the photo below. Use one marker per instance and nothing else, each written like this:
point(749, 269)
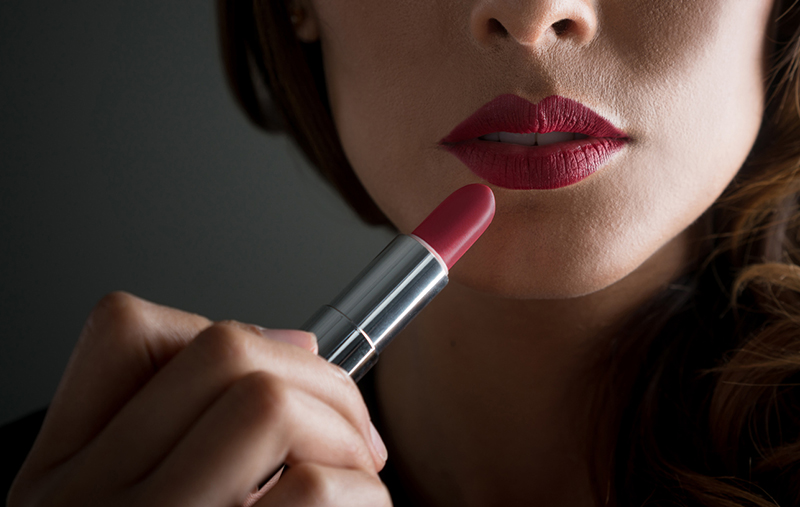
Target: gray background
point(126, 165)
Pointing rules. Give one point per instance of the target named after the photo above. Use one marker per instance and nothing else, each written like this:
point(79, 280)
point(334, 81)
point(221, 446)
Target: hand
point(159, 407)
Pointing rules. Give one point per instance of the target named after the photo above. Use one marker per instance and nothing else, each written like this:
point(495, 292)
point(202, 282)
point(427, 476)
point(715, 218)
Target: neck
point(485, 399)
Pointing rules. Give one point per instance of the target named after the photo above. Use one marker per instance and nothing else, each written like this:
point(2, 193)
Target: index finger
point(124, 342)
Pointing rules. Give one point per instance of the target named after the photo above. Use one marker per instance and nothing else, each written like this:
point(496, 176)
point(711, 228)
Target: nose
point(534, 23)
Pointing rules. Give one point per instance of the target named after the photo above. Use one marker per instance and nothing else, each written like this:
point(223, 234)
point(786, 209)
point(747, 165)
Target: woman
point(625, 337)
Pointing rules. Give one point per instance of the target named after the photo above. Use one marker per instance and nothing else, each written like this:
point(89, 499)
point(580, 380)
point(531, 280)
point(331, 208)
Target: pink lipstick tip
point(454, 226)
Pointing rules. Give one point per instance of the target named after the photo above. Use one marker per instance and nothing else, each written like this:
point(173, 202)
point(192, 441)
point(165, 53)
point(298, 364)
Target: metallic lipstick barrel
point(361, 321)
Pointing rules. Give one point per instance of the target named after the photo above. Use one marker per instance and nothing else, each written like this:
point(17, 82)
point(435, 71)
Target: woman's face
point(682, 80)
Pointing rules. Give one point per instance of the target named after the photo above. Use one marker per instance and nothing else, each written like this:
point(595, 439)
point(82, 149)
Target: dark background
point(126, 165)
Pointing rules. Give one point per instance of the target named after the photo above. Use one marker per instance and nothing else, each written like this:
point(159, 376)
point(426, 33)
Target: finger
point(123, 343)
point(164, 410)
point(302, 339)
point(259, 423)
point(259, 492)
point(313, 485)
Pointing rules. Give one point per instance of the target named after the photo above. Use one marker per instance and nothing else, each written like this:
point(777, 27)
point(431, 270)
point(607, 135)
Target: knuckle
point(222, 344)
point(264, 396)
point(375, 491)
point(360, 455)
point(314, 485)
point(116, 313)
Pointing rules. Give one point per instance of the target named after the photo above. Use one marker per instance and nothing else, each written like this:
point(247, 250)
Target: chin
point(492, 274)
point(509, 267)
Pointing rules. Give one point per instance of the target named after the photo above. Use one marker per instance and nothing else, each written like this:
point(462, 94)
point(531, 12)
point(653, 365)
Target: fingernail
point(377, 442)
point(302, 339)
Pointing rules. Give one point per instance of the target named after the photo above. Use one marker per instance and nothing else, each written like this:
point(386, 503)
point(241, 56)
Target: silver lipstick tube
point(361, 321)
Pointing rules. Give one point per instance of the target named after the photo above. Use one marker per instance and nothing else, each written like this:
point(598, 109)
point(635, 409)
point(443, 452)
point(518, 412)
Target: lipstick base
point(341, 342)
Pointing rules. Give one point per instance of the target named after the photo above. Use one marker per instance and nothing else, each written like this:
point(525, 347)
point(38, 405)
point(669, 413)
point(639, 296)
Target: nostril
point(496, 27)
point(561, 27)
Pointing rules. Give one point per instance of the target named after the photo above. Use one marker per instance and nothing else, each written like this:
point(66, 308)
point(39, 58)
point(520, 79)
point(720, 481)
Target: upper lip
point(511, 113)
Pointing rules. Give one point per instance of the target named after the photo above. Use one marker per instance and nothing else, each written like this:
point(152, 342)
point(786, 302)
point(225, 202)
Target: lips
point(517, 166)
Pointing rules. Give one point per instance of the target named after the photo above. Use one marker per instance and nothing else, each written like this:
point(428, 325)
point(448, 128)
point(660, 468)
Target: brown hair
point(712, 415)
point(279, 83)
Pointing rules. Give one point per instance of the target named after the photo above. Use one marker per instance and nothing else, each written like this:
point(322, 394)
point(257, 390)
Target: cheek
point(697, 116)
point(394, 83)
point(377, 59)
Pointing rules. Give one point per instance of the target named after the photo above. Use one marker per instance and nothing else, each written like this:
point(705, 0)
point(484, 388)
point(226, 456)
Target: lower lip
point(535, 167)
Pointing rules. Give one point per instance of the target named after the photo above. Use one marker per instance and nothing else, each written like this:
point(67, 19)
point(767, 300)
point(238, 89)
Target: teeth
point(554, 137)
point(523, 139)
point(532, 139)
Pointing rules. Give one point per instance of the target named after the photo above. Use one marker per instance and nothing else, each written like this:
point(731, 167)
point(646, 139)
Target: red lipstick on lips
point(534, 167)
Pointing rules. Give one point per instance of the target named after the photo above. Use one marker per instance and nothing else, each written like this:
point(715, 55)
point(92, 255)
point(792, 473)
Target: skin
point(486, 392)
point(163, 407)
point(499, 360)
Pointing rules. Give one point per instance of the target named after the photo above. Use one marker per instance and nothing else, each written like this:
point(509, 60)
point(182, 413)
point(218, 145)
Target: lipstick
point(380, 302)
point(518, 166)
